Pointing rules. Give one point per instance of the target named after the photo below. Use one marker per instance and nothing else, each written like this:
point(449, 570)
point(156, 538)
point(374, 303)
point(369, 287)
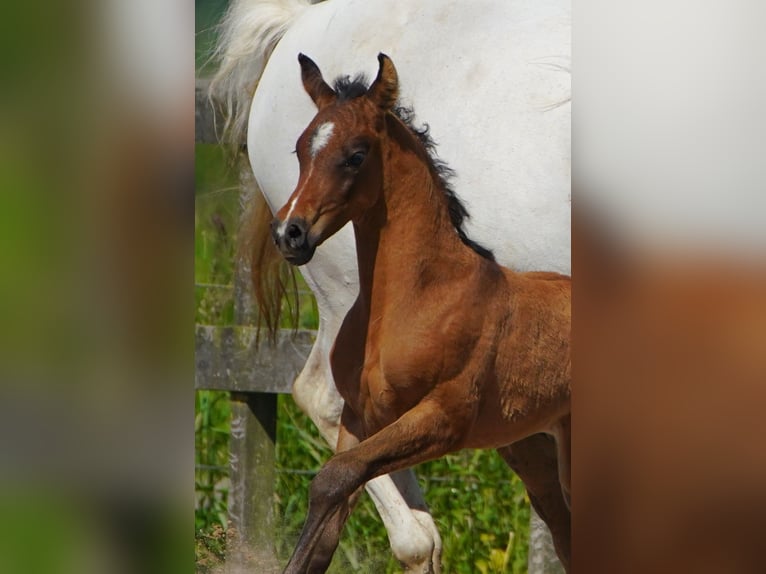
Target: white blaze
point(298, 192)
point(321, 137)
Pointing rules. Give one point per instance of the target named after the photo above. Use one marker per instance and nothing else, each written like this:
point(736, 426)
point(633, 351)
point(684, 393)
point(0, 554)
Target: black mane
point(348, 88)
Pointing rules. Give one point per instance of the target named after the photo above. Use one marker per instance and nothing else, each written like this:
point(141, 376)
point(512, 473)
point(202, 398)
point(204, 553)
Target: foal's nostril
point(292, 238)
point(294, 231)
point(295, 235)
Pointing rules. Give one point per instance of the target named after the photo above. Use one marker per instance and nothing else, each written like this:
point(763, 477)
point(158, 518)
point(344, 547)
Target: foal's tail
point(247, 35)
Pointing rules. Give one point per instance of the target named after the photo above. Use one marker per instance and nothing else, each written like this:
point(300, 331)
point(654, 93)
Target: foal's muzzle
point(292, 239)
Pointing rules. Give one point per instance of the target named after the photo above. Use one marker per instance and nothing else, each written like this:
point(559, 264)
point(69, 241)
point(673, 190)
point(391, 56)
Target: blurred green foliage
point(30, 518)
point(207, 13)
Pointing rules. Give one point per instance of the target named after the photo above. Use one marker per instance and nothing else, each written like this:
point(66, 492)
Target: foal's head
point(340, 161)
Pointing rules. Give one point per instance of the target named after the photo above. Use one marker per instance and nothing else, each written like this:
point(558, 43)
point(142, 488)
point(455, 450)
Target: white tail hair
point(248, 33)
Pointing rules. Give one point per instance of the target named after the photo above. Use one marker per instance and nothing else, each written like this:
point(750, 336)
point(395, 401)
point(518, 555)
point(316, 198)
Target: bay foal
point(443, 349)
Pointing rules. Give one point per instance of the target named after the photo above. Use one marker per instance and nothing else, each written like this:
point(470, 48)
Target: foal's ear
point(315, 86)
point(385, 89)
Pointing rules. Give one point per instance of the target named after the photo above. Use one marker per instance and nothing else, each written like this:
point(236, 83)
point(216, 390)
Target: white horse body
point(503, 125)
point(491, 78)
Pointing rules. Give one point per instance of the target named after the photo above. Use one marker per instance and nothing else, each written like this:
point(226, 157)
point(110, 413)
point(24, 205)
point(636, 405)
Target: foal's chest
point(379, 377)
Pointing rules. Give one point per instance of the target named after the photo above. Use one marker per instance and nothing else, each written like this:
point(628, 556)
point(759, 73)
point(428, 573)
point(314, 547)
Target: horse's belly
point(494, 428)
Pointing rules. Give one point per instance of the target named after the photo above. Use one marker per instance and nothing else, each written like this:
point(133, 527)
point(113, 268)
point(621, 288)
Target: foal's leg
point(416, 556)
point(414, 538)
point(424, 433)
point(534, 459)
point(349, 436)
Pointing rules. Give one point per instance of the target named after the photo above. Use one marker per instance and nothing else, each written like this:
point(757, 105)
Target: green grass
point(216, 220)
point(479, 505)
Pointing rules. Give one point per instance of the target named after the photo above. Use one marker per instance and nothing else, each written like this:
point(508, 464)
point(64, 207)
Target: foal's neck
point(408, 234)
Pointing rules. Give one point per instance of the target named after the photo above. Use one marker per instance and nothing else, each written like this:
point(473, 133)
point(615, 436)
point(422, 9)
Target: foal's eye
point(355, 160)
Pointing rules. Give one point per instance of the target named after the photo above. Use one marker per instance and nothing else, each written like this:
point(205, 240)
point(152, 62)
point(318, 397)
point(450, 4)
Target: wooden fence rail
point(235, 359)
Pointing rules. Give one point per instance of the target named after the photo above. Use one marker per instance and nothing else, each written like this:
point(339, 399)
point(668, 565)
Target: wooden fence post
point(252, 458)
point(233, 359)
point(252, 473)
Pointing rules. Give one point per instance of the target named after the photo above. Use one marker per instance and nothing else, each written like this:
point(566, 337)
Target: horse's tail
point(273, 280)
point(247, 35)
